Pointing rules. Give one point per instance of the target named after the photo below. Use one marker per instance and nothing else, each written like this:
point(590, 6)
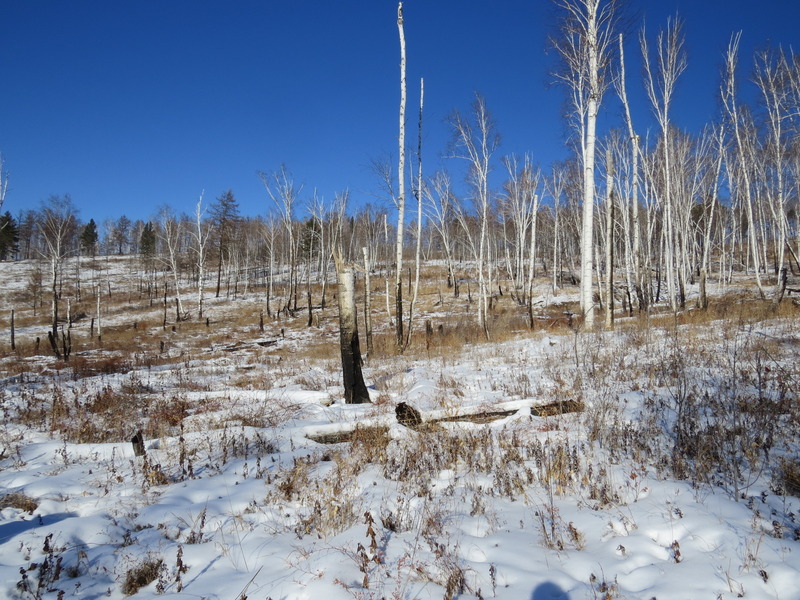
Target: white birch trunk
point(401, 186)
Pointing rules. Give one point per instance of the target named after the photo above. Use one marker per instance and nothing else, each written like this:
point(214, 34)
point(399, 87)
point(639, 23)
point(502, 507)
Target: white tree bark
point(743, 154)
point(419, 194)
point(200, 236)
point(609, 240)
point(772, 77)
point(281, 189)
point(477, 145)
point(633, 258)
point(401, 184)
point(367, 300)
point(585, 47)
point(170, 233)
point(660, 85)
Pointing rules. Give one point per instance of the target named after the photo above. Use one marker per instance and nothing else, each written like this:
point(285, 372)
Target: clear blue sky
point(128, 106)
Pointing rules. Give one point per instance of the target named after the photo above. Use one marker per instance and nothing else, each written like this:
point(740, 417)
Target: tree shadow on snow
point(549, 591)
point(14, 528)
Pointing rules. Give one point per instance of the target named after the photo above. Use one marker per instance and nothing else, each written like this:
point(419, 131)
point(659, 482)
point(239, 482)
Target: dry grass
point(19, 501)
point(789, 477)
point(141, 575)
point(654, 352)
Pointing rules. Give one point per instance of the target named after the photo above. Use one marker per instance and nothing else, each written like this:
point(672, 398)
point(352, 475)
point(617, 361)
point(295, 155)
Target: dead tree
point(367, 301)
point(401, 181)
point(355, 391)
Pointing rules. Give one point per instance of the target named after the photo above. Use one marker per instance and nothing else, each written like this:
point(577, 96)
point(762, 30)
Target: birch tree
point(440, 216)
point(170, 232)
point(200, 235)
point(476, 140)
point(630, 200)
point(772, 78)
point(555, 187)
point(585, 47)
point(283, 193)
point(418, 193)
point(742, 152)
point(57, 225)
point(660, 83)
point(401, 185)
point(3, 181)
point(355, 390)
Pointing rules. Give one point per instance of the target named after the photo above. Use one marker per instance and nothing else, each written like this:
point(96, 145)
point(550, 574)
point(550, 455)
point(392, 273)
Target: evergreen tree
point(147, 246)
point(225, 217)
point(89, 238)
point(147, 241)
point(9, 236)
point(119, 236)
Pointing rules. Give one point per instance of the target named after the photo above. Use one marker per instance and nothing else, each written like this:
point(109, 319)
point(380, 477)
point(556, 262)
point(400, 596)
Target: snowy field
point(665, 466)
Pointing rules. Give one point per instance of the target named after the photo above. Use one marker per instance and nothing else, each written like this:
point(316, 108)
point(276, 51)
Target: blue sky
point(128, 106)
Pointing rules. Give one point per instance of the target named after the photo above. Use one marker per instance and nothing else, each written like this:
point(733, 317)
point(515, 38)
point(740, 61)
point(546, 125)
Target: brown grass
point(20, 501)
point(141, 575)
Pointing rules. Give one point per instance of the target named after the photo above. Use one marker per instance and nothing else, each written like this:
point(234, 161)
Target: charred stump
point(355, 391)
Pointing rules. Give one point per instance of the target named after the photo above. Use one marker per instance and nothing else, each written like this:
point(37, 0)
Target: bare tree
point(401, 184)
point(57, 225)
point(772, 77)
point(630, 200)
point(170, 233)
point(418, 193)
point(743, 152)
point(609, 287)
point(269, 232)
point(440, 215)
point(585, 45)
point(475, 140)
point(200, 235)
point(660, 85)
point(3, 181)
point(555, 186)
point(282, 191)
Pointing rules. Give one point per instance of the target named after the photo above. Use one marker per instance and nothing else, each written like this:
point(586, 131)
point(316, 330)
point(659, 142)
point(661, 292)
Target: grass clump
point(19, 501)
point(141, 575)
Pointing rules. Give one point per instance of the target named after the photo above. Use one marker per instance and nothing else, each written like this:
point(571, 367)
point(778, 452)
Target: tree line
point(633, 218)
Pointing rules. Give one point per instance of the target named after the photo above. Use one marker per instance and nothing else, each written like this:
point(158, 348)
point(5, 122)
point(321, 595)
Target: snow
point(530, 507)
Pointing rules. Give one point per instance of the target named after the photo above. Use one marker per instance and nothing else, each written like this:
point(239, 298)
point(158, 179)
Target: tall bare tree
point(585, 45)
point(742, 152)
point(630, 199)
point(283, 193)
point(170, 233)
point(200, 234)
point(475, 140)
point(419, 194)
point(3, 181)
point(401, 185)
point(57, 225)
point(773, 79)
point(660, 84)
point(441, 202)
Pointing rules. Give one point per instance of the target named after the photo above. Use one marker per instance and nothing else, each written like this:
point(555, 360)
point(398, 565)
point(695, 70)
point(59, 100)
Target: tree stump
point(355, 390)
point(138, 444)
point(407, 415)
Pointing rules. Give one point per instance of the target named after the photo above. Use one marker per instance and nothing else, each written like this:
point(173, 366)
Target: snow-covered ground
point(670, 484)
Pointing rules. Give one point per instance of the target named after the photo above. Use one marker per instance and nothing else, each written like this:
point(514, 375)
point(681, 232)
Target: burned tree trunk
point(367, 302)
point(355, 391)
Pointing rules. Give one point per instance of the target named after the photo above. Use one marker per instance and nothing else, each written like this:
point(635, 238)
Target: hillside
point(665, 464)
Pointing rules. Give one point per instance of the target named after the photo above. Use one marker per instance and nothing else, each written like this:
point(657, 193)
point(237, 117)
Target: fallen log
point(410, 417)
